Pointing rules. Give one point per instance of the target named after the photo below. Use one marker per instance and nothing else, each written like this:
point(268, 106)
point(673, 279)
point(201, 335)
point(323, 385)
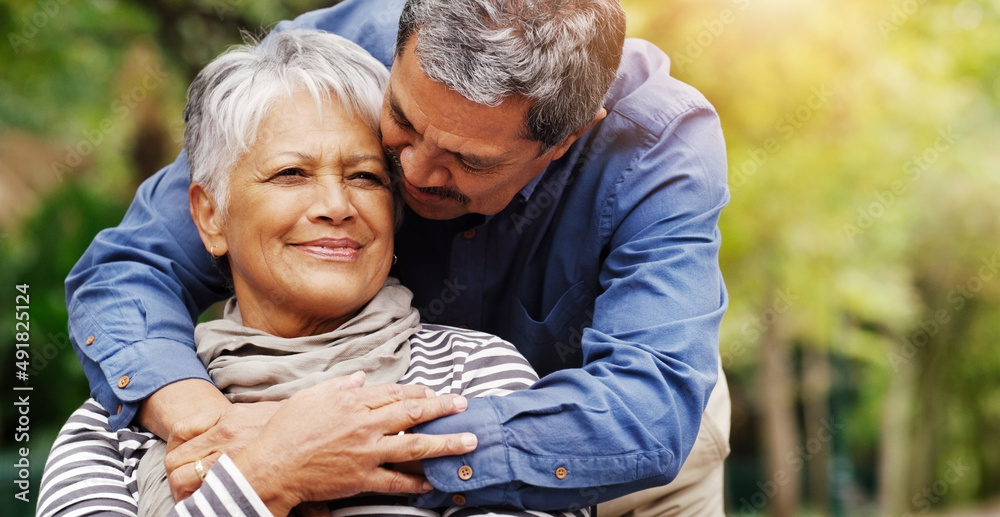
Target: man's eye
point(473, 169)
point(468, 167)
point(401, 122)
point(473, 166)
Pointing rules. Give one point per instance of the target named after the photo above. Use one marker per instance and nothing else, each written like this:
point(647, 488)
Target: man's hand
point(221, 429)
point(177, 401)
point(326, 442)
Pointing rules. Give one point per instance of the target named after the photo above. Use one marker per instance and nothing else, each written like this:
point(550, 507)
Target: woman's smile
point(338, 250)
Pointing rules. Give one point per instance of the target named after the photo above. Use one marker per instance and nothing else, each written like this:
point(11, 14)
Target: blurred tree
point(91, 95)
point(859, 245)
point(862, 180)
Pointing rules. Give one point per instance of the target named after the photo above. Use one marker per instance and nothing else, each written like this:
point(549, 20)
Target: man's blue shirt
point(603, 272)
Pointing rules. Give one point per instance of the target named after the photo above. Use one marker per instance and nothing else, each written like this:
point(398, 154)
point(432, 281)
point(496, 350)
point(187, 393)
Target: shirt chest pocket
point(551, 341)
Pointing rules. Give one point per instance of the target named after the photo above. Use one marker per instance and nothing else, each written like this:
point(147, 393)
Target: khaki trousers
point(698, 488)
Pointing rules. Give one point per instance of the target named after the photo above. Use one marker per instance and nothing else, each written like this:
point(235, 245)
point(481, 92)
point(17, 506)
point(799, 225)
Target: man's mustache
point(436, 191)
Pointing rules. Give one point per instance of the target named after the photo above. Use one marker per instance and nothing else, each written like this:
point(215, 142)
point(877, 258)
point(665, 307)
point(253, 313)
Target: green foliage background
point(860, 246)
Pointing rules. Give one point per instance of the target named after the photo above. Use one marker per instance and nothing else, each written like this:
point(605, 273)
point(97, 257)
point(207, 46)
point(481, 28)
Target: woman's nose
point(332, 202)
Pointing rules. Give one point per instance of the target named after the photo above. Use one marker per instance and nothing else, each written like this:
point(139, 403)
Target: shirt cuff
point(223, 492)
point(487, 466)
point(138, 370)
point(142, 368)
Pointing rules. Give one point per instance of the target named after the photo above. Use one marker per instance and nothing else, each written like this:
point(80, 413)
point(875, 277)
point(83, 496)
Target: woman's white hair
point(233, 94)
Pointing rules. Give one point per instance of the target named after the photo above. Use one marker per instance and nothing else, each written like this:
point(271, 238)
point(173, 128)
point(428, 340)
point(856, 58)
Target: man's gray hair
point(562, 55)
point(233, 94)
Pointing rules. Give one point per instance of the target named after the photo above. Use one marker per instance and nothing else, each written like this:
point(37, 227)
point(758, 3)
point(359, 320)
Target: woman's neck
point(282, 322)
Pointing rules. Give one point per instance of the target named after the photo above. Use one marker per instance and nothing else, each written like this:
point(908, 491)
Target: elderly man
point(563, 192)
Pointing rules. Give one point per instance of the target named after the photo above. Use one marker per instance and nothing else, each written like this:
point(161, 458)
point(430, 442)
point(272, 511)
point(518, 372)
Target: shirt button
point(90, 340)
point(465, 473)
point(469, 234)
point(561, 473)
point(458, 499)
point(123, 381)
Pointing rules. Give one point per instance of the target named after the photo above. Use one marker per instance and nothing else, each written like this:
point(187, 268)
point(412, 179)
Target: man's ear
point(208, 219)
point(560, 149)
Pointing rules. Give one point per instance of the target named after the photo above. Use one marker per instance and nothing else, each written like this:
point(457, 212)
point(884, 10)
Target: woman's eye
point(289, 172)
point(369, 178)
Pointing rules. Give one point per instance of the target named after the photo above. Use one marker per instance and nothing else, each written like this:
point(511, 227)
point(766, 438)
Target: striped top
point(92, 469)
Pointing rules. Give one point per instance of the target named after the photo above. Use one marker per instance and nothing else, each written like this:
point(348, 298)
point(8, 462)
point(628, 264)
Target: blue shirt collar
point(528, 189)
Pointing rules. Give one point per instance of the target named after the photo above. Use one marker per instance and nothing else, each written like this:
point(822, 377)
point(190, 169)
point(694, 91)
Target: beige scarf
point(249, 365)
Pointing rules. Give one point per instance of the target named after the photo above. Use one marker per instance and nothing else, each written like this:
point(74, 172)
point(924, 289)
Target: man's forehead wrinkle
point(485, 65)
point(416, 114)
point(474, 132)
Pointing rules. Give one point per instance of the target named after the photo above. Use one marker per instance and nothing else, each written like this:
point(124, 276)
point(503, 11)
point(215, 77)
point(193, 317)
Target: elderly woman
point(292, 194)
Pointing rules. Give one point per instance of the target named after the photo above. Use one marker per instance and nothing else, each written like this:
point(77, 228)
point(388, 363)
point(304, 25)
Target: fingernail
point(426, 487)
point(460, 403)
point(469, 440)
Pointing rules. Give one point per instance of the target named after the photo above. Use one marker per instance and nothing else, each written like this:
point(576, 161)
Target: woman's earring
point(212, 251)
point(394, 259)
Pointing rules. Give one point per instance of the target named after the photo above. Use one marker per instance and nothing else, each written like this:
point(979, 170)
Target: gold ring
point(199, 470)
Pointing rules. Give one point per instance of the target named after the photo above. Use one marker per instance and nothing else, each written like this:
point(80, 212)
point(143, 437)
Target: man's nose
point(422, 167)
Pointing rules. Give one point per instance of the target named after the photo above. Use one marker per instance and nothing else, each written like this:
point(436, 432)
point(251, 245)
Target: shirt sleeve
point(370, 24)
point(225, 492)
point(627, 418)
point(134, 295)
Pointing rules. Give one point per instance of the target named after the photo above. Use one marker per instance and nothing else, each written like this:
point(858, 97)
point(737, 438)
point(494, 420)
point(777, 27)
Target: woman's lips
point(331, 249)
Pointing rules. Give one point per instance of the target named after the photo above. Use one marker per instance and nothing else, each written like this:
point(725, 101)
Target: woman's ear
point(208, 219)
